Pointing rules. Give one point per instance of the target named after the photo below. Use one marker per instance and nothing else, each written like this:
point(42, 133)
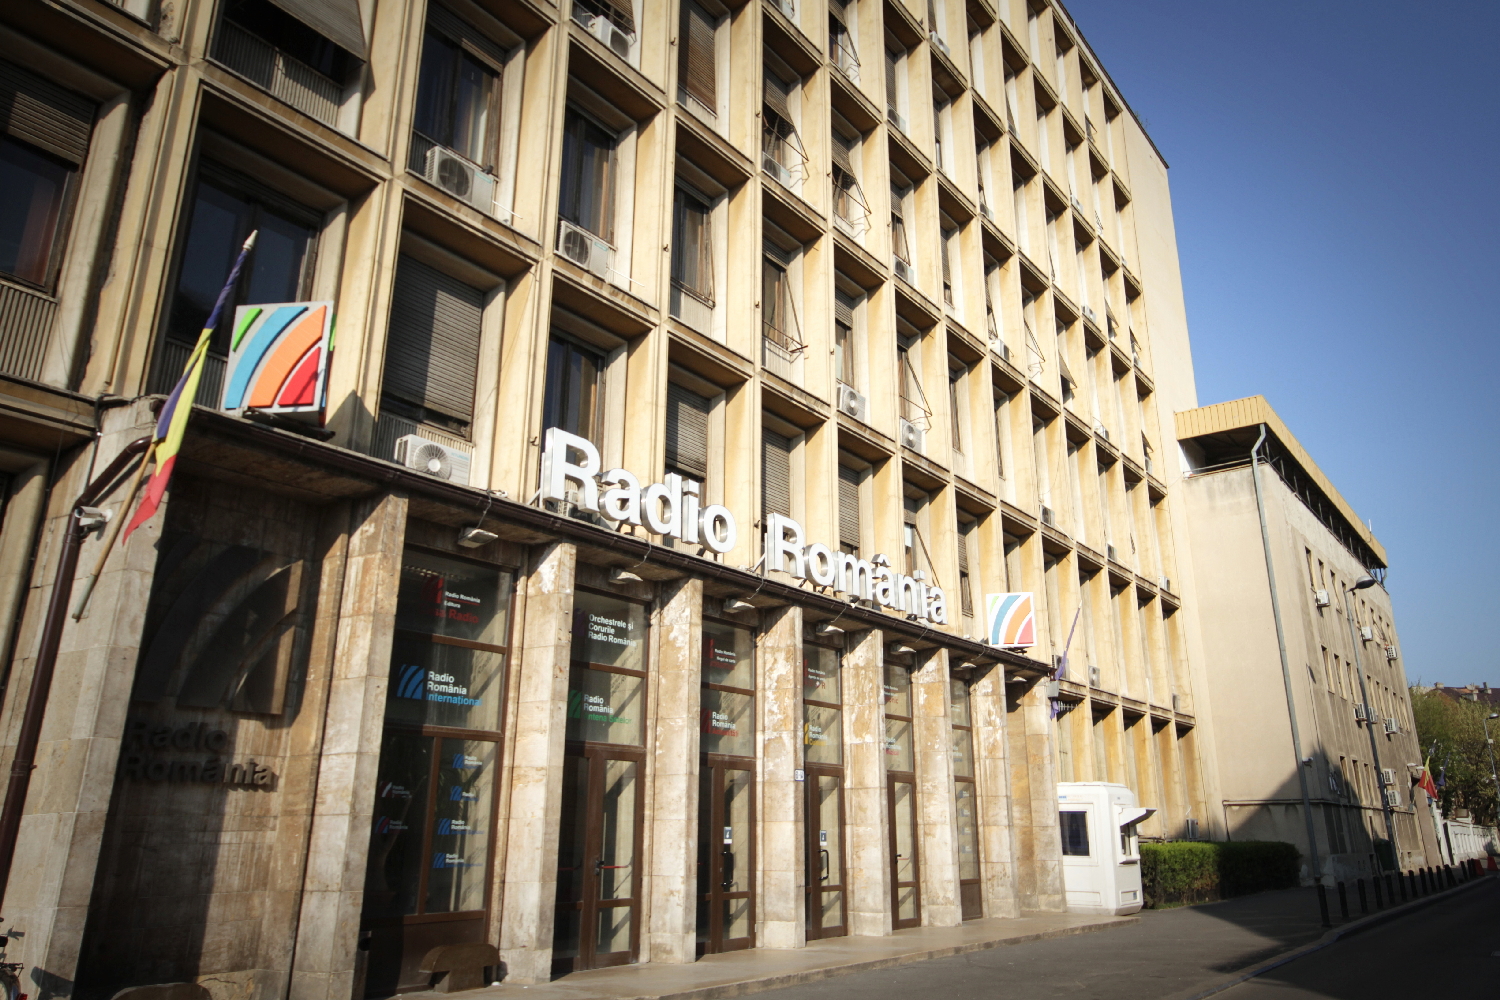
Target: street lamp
point(1364, 582)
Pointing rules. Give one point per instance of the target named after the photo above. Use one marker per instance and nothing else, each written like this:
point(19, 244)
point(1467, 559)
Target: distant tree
point(1453, 733)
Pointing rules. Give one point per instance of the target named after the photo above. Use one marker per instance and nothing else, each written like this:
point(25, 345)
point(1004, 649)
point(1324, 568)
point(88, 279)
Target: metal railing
point(291, 80)
point(779, 352)
point(25, 330)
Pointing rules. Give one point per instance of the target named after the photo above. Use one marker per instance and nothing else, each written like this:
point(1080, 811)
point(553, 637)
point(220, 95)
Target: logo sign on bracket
point(278, 358)
point(1012, 619)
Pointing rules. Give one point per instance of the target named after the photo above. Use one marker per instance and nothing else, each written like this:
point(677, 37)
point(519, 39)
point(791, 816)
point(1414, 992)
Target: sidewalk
point(742, 972)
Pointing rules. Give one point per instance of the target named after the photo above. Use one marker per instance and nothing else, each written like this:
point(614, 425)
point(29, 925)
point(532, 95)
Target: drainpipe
point(1286, 675)
point(46, 660)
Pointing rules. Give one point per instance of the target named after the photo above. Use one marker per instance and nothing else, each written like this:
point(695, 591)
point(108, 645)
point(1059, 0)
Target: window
point(775, 473)
point(588, 175)
point(893, 103)
point(949, 246)
point(965, 586)
point(620, 13)
point(697, 66)
point(781, 147)
point(432, 346)
point(849, 512)
point(1023, 230)
point(849, 205)
point(575, 377)
point(956, 372)
point(841, 40)
point(458, 92)
point(303, 52)
point(226, 208)
point(965, 799)
point(900, 245)
point(1074, 825)
point(782, 338)
point(1002, 430)
point(692, 259)
point(914, 408)
point(844, 348)
point(687, 432)
point(913, 546)
point(942, 131)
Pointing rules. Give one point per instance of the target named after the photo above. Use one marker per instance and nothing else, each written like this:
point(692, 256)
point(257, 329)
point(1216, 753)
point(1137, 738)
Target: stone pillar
point(535, 771)
point(991, 764)
point(1044, 858)
point(334, 881)
point(780, 852)
point(62, 823)
point(937, 828)
point(866, 829)
point(671, 879)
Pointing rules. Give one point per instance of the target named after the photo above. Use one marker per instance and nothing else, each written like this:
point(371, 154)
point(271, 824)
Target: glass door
point(965, 801)
point(823, 751)
point(726, 806)
point(427, 874)
point(598, 870)
point(901, 797)
point(597, 921)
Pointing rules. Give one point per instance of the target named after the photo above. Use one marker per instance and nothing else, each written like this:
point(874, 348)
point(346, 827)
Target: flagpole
point(169, 424)
point(114, 532)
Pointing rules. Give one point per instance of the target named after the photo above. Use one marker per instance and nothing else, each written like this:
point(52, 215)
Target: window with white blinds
point(432, 347)
point(849, 480)
point(696, 67)
point(775, 473)
point(687, 432)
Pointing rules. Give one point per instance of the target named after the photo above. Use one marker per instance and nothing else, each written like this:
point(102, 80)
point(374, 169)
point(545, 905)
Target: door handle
point(824, 854)
point(728, 868)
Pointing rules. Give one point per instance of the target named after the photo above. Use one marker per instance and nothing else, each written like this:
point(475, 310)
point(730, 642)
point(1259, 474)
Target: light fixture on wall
point(827, 628)
point(738, 604)
point(624, 576)
point(474, 536)
point(899, 649)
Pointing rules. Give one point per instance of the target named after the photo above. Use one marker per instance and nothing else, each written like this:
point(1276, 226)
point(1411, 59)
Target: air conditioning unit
point(620, 41)
point(1190, 828)
point(1111, 553)
point(776, 170)
point(1367, 633)
point(912, 436)
point(1333, 783)
point(1390, 652)
point(585, 249)
point(1392, 798)
point(903, 271)
point(461, 177)
point(1392, 727)
point(1090, 315)
point(1093, 677)
point(1388, 777)
point(1049, 517)
point(932, 36)
point(571, 505)
point(1320, 598)
point(853, 403)
point(1361, 714)
point(439, 461)
point(1176, 702)
point(1102, 431)
point(1166, 584)
point(1078, 205)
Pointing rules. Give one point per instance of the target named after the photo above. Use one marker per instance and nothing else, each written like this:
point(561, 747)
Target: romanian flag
point(171, 423)
point(1426, 783)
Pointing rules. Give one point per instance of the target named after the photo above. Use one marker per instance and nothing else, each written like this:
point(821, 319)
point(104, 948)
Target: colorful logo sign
point(1012, 620)
point(278, 359)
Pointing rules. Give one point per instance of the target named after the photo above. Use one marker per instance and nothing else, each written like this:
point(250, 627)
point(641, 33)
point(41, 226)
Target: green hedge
point(1187, 871)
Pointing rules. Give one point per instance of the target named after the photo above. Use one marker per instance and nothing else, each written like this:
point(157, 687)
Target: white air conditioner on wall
point(1166, 584)
point(461, 177)
point(1111, 553)
point(1361, 714)
point(585, 249)
point(903, 271)
point(1388, 776)
point(1390, 652)
point(1392, 727)
point(619, 41)
point(912, 436)
point(1090, 315)
point(572, 506)
point(776, 170)
point(1392, 798)
point(1367, 633)
point(427, 456)
point(1320, 598)
point(1049, 517)
point(853, 404)
point(1093, 677)
point(933, 37)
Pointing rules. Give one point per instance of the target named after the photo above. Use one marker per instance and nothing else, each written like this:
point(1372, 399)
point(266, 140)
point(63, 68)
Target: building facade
point(887, 293)
point(1358, 738)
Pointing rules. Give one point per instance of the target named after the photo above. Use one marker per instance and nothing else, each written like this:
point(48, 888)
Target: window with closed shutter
point(432, 348)
point(891, 103)
point(775, 473)
point(42, 114)
point(696, 66)
point(779, 139)
point(687, 432)
point(965, 586)
point(843, 328)
point(849, 480)
point(945, 238)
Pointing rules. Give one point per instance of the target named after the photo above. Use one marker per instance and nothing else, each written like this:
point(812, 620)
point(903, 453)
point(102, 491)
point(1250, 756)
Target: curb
point(748, 986)
point(1331, 937)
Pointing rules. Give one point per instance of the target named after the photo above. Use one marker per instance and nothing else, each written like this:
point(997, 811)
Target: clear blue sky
point(1334, 170)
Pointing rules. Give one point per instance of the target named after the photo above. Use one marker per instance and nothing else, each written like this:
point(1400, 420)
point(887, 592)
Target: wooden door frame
point(815, 884)
point(716, 943)
point(891, 779)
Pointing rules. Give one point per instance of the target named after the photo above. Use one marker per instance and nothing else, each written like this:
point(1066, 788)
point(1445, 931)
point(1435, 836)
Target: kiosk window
point(1075, 833)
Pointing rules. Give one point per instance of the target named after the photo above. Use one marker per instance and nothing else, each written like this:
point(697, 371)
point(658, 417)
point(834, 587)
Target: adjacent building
point(1358, 740)
point(699, 370)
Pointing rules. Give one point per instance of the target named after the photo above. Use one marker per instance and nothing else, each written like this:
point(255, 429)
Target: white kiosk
point(1100, 851)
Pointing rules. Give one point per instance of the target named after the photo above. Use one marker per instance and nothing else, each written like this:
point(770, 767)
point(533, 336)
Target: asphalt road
point(1174, 953)
point(1451, 949)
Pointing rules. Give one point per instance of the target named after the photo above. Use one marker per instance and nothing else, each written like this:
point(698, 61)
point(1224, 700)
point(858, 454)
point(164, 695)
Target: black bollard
point(1343, 902)
point(1323, 904)
point(1422, 881)
point(1364, 904)
point(1390, 888)
point(1379, 898)
point(1401, 884)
